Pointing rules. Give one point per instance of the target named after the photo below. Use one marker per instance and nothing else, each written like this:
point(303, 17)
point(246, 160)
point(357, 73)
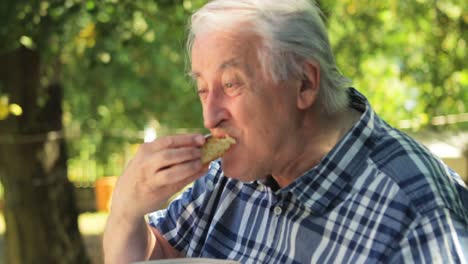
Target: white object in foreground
point(189, 261)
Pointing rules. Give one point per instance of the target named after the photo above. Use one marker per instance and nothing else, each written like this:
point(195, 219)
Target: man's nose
point(214, 109)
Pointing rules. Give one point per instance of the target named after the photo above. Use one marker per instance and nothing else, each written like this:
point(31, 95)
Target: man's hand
point(158, 170)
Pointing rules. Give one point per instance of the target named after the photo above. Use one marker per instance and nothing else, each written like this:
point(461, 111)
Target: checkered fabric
point(377, 197)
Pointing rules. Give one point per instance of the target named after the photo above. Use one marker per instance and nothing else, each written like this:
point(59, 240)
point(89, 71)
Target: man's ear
point(309, 87)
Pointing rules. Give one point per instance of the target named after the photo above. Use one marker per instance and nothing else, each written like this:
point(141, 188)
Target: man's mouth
point(220, 134)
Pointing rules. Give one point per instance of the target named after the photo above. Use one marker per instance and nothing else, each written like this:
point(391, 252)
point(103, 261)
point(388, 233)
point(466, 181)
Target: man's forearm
point(126, 242)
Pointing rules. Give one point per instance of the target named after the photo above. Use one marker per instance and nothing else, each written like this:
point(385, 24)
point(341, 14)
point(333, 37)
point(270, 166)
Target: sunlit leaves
point(426, 40)
point(4, 109)
point(86, 38)
point(7, 108)
point(90, 5)
point(27, 42)
point(43, 8)
point(15, 109)
point(122, 62)
point(452, 9)
point(139, 24)
point(104, 57)
point(384, 87)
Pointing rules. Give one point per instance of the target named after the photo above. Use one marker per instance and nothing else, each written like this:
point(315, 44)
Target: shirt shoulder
point(425, 181)
point(432, 238)
point(420, 175)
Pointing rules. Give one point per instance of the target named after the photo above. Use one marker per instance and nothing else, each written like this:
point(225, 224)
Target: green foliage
point(122, 65)
point(122, 62)
point(408, 57)
point(125, 67)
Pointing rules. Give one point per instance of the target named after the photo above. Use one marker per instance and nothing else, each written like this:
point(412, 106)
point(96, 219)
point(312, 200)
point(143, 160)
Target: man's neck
point(318, 136)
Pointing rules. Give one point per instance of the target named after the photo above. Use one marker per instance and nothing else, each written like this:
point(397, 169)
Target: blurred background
point(82, 83)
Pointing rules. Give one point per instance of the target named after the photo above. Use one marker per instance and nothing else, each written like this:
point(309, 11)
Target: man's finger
point(186, 181)
point(177, 173)
point(173, 156)
point(177, 141)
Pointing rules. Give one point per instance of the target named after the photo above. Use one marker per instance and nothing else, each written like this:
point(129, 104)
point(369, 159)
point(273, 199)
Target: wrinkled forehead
point(235, 46)
point(227, 40)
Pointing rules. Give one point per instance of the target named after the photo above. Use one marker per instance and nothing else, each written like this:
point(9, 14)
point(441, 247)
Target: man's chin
point(231, 171)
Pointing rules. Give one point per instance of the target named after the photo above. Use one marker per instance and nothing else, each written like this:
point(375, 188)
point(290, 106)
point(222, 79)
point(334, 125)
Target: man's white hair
point(292, 32)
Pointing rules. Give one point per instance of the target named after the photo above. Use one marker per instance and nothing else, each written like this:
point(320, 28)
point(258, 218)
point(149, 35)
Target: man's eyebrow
point(230, 63)
point(236, 63)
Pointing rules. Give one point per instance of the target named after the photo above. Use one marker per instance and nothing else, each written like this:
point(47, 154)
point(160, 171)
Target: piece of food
point(215, 148)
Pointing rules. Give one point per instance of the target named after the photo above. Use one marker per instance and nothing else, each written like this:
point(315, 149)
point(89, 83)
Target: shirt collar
point(319, 187)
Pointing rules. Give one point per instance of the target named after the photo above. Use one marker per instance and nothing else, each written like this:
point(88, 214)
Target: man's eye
point(231, 88)
point(202, 92)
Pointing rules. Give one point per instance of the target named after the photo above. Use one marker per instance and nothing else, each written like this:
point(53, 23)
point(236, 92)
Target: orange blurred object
point(103, 189)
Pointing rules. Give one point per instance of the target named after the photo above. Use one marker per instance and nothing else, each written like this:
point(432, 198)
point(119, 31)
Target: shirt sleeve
point(439, 238)
point(185, 217)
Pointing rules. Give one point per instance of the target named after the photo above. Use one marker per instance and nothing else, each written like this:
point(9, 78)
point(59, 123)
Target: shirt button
point(277, 210)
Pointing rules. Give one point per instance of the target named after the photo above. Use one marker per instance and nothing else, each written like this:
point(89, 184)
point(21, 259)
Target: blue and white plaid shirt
point(377, 197)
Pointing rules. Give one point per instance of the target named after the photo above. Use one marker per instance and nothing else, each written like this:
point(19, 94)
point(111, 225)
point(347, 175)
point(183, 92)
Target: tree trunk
point(40, 211)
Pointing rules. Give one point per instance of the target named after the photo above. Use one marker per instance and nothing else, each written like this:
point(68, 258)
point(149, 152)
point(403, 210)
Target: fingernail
point(200, 139)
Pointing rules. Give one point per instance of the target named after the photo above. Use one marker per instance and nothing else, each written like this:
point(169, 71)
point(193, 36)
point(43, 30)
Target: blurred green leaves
point(133, 55)
point(122, 62)
point(406, 56)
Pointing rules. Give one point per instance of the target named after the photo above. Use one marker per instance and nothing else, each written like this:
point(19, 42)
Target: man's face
point(238, 100)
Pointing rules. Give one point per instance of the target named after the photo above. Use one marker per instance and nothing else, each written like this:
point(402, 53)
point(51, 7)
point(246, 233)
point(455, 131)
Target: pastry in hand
point(215, 148)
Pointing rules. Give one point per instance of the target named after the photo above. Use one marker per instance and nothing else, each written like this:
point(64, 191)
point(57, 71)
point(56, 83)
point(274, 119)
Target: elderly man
point(315, 175)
